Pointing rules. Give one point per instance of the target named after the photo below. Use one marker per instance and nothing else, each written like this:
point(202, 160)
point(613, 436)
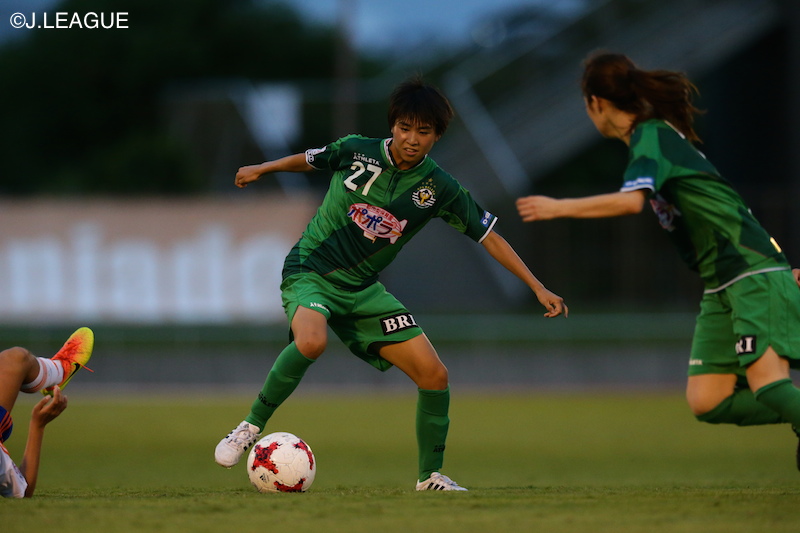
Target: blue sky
point(387, 23)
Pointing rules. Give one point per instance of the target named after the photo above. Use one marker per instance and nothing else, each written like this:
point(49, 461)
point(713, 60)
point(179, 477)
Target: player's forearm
point(533, 208)
point(602, 205)
point(29, 467)
point(291, 163)
point(252, 173)
point(503, 253)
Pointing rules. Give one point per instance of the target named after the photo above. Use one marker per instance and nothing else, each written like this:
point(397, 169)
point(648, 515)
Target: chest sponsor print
point(376, 222)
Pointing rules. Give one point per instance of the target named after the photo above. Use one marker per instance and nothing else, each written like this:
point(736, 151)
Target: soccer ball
point(281, 462)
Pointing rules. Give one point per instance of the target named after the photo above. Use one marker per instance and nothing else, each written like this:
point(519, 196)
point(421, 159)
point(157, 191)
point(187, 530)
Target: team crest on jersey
point(376, 222)
point(424, 197)
point(665, 211)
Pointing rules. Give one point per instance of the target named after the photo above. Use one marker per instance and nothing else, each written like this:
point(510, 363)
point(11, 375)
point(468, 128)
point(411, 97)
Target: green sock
point(432, 425)
point(741, 408)
point(286, 373)
point(783, 397)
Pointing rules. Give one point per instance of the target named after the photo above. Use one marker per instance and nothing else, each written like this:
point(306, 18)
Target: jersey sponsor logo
point(395, 323)
point(318, 305)
point(366, 159)
point(695, 362)
point(487, 217)
point(377, 222)
point(424, 197)
point(746, 345)
point(665, 211)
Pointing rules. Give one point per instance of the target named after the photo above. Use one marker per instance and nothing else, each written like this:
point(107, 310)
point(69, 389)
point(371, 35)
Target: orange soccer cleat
point(73, 356)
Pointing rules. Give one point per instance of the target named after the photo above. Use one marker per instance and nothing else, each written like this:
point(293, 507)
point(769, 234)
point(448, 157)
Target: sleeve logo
point(312, 153)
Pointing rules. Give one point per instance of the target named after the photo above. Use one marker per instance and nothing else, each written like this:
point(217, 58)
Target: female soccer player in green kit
point(748, 331)
point(383, 191)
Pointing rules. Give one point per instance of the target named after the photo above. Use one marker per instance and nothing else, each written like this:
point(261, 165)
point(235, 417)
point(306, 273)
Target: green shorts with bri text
point(362, 319)
point(737, 325)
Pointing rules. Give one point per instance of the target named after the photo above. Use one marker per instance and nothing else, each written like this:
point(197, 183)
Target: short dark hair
point(420, 103)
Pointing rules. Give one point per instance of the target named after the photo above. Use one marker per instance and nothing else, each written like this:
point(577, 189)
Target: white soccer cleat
point(439, 481)
point(231, 448)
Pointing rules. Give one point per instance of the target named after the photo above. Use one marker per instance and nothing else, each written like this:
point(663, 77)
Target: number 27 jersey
point(372, 209)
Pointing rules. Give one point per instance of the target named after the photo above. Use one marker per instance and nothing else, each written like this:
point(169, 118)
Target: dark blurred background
point(171, 105)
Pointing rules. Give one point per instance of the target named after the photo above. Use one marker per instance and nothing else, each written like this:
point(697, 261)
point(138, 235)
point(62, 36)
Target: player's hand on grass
point(48, 408)
point(532, 208)
point(553, 303)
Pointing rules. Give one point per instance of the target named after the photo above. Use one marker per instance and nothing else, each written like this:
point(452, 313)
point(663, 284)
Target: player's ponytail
point(662, 94)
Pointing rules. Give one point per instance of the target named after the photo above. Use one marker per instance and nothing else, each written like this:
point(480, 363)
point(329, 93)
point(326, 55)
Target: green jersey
point(372, 209)
point(714, 231)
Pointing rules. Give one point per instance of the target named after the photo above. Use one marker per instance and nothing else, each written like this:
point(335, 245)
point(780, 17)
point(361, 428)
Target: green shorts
point(737, 325)
point(361, 318)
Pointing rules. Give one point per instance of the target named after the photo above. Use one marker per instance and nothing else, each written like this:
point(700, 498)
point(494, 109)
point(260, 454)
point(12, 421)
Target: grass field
point(533, 462)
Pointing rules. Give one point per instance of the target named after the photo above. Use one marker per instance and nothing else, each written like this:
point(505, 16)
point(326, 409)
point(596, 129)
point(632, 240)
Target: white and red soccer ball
point(281, 462)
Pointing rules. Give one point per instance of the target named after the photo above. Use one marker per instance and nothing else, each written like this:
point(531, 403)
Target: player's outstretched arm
point(504, 254)
point(43, 413)
point(532, 208)
point(291, 163)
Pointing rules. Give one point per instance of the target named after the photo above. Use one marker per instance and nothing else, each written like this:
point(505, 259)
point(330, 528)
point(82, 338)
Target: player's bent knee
point(443, 378)
point(311, 347)
point(701, 408)
point(437, 379)
point(16, 356)
point(701, 404)
point(706, 392)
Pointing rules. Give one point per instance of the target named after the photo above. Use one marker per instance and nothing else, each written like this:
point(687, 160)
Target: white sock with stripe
point(50, 373)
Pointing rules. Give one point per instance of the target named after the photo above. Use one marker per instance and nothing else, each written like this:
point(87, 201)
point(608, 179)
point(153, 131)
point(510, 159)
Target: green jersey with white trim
point(709, 223)
point(372, 209)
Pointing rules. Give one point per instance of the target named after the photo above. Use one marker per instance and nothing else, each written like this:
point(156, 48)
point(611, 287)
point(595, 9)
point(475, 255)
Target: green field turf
point(550, 462)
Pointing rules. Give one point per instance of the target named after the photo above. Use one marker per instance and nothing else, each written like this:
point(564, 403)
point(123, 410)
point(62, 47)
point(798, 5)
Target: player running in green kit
point(383, 191)
point(748, 332)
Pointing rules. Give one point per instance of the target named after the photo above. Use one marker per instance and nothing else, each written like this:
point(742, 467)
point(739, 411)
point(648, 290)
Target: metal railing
point(520, 103)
